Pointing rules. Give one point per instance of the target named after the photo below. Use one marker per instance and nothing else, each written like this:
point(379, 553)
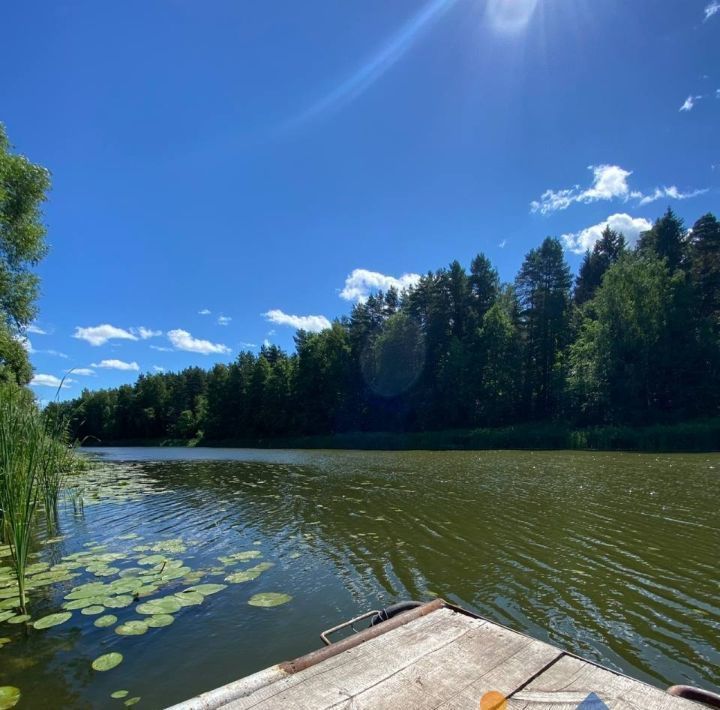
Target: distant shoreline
point(699, 436)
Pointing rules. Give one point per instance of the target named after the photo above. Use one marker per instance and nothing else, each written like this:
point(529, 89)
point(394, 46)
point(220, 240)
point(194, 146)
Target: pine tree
point(667, 240)
point(605, 253)
point(705, 267)
point(543, 288)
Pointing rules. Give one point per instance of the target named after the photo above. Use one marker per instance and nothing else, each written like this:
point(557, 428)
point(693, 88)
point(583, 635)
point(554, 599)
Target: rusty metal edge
point(315, 657)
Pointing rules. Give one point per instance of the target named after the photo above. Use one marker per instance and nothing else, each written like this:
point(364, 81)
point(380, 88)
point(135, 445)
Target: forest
point(633, 339)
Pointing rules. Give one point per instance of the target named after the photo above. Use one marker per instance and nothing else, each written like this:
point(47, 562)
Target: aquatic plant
point(52, 620)
point(107, 661)
point(34, 459)
point(23, 448)
point(9, 696)
point(268, 599)
point(60, 462)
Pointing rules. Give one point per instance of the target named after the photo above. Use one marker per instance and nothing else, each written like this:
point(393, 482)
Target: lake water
point(611, 556)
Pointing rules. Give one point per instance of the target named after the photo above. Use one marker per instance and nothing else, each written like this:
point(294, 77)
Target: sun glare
point(510, 16)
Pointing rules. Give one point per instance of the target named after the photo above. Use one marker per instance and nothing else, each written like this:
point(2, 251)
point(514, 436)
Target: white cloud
point(50, 381)
point(25, 342)
point(117, 365)
point(361, 283)
point(224, 320)
point(157, 368)
point(36, 330)
point(267, 343)
point(670, 192)
point(503, 244)
point(145, 333)
point(711, 9)
point(30, 350)
point(161, 348)
point(631, 227)
point(205, 312)
point(247, 345)
point(610, 182)
point(689, 104)
point(83, 371)
point(182, 340)
point(100, 334)
point(314, 324)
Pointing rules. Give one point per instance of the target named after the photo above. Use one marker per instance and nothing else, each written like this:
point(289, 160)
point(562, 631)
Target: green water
point(611, 556)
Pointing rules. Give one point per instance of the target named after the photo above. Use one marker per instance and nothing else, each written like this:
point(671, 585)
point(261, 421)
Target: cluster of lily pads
point(115, 483)
point(150, 580)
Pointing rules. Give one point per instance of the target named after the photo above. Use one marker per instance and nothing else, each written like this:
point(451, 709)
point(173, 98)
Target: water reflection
point(610, 556)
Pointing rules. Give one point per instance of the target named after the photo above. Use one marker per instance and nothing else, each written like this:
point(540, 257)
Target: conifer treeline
point(635, 340)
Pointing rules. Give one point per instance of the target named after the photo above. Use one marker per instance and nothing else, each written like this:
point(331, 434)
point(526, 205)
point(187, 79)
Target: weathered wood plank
point(568, 682)
point(347, 674)
point(486, 658)
point(505, 677)
point(448, 661)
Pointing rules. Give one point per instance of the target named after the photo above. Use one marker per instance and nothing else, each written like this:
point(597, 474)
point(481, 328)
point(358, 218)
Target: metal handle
point(324, 635)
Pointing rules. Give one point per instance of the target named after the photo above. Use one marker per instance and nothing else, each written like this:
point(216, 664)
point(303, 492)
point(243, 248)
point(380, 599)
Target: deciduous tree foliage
point(638, 342)
point(22, 245)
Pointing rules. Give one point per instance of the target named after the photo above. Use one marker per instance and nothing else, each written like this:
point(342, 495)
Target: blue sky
point(270, 161)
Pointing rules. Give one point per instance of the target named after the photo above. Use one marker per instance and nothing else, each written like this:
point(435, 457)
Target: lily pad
point(267, 599)
point(107, 661)
point(240, 557)
point(244, 576)
point(4, 641)
point(19, 619)
point(119, 602)
point(157, 621)
point(132, 628)
point(52, 620)
point(248, 574)
point(36, 567)
point(119, 694)
point(106, 620)
point(176, 546)
point(189, 598)
point(175, 573)
point(152, 560)
point(93, 610)
point(163, 605)
point(193, 577)
point(75, 604)
point(132, 701)
point(92, 589)
point(106, 571)
point(207, 589)
point(124, 586)
point(9, 696)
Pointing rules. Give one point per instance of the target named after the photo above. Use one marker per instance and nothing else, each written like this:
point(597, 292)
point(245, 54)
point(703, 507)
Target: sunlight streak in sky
point(396, 47)
point(510, 16)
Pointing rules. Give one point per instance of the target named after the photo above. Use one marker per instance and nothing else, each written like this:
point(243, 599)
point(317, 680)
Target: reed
point(34, 458)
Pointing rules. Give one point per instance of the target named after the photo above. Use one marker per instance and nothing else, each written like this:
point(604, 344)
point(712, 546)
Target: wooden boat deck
point(440, 659)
